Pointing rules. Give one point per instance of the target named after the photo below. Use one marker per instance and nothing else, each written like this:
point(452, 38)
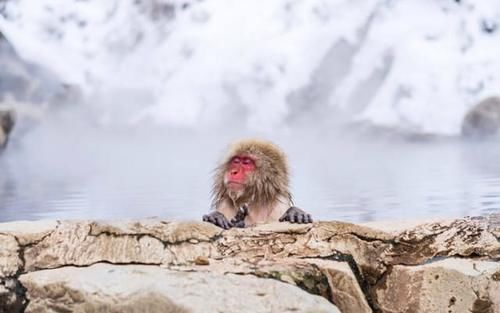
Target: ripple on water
point(170, 178)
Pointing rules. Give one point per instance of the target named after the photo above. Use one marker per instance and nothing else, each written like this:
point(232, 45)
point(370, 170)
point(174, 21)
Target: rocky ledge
point(161, 266)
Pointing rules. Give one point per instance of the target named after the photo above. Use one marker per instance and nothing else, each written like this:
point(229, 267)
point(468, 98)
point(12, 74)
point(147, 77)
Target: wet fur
point(268, 186)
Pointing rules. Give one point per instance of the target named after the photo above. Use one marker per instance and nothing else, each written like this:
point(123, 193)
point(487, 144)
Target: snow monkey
point(251, 186)
point(6, 125)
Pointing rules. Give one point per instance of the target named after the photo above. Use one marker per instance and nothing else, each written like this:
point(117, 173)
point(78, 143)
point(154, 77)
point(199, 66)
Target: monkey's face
point(238, 174)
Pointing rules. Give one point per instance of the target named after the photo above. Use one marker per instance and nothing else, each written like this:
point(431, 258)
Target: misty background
point(124, 107)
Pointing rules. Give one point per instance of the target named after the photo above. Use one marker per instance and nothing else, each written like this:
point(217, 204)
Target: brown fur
point(267, 193)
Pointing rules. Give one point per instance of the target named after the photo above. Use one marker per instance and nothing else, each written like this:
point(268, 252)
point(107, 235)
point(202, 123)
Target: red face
point(239, 169)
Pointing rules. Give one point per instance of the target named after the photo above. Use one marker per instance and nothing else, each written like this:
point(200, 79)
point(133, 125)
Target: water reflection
point(126, 173)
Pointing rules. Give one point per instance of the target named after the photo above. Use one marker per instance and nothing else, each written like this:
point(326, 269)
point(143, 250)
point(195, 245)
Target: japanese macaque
point(483, 120)
point(6, 125)
point(251, 186)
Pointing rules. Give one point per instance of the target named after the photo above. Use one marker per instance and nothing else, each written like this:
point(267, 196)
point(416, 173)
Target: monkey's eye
point(247, 161)
point(236, 160)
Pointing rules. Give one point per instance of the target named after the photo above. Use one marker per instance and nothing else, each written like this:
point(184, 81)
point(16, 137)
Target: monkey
point(239, 219)
point(483, 120)
point(250, 186)
point(7, 121)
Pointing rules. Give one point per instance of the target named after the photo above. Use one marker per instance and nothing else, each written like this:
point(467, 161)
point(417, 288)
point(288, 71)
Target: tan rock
point(345, 290)
point(331, 279)
point(10, 300)
point(164, 231)
point(29, 232)
point(138, 288)
point(353, 266)
point(145, 242)
point(451, 286)
point(494, 224)
point(461, 237)
point(10, 262)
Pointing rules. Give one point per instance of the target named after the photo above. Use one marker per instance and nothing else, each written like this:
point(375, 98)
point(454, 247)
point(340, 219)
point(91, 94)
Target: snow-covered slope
point(411, 64)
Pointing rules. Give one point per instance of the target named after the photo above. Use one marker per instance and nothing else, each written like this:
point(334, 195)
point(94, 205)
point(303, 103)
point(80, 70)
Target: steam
point(157, 89)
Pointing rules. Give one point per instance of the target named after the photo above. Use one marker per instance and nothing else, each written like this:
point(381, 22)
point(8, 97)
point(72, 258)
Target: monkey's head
point(253, 171)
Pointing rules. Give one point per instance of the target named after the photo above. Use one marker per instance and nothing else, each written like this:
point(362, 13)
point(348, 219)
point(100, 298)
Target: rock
point(355, 267)
point(6, 125)
point(468, 237)
point(139, 288)
point(483, 120)
point(141, 242)
point(331, 279)
point(11, 297)
point(346, 293)
point(451, 285)
point(201, 260)
point(25, 82)
point(10, 262)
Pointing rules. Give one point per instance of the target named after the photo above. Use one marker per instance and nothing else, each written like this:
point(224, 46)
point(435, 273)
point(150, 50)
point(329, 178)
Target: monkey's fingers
point(210, 218)
point(238, 224)
point(302, 218)
point(287, 217)
point(225, 223)
point(306, 218)
point(206, 218)
point(217, 219)
point(309, 218)
point(222, 222)
point(296, 215)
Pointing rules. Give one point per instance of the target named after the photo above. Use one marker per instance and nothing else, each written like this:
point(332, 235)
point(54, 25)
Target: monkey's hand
point(296, 215)
point(239, 220)
point(237, 224)
point(218, 219)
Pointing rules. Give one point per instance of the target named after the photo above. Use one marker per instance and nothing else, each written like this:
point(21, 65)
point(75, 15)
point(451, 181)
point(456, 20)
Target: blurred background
point(124, 107)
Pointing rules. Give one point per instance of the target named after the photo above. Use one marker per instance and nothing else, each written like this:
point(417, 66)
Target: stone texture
point(11, 299)
point(29, 232)
point(139, 288)
point(10, 262)
point(463, 237)
point(451, 285)
point(331, 279)
point(145, 242)
point(359, 268)
point(346, 292)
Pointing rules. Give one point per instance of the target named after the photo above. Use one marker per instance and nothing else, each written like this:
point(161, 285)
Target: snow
point(415, 65)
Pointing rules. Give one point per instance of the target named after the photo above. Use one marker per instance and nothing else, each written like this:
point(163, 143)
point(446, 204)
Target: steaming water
point(165, 85)
point(167, 173)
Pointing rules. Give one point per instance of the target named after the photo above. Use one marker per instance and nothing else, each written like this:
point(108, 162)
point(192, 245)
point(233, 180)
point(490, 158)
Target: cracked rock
point(357, 268)
point(139, 288)
point(450, 286)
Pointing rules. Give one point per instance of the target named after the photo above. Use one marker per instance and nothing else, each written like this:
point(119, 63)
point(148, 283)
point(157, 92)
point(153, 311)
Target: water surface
point(129, 172)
